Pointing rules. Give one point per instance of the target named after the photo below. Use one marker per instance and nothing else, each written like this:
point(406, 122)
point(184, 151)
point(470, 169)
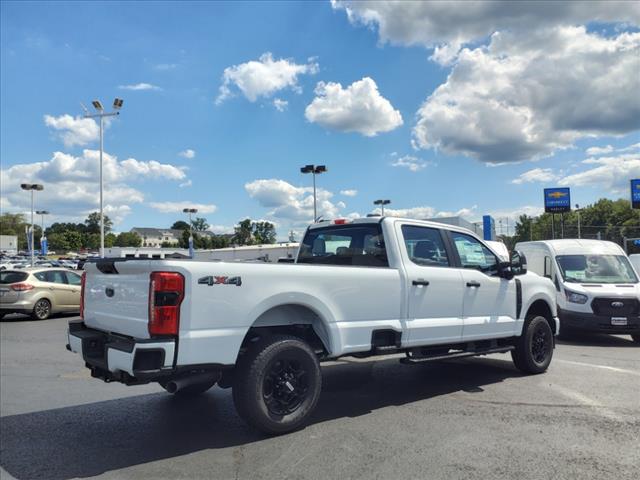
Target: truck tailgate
point(118, 301)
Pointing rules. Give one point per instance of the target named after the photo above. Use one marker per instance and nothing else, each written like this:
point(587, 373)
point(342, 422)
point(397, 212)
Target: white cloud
point(263, 77)
point(424, 212)
point(140, 86)
point(71, 188)
point(74, 130)
point(357, 108)
point(446, 26)
point(177, 207)
point(609, 173)
point(280, 105)
point(523, 97)
point(349, 192)
point(536, 175)
point(293, 204)
point(188, 153)
point(414, 164)
point(595, 151)
point(188, 183)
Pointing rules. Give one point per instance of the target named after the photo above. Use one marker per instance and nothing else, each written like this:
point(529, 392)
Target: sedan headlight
point(574, 297)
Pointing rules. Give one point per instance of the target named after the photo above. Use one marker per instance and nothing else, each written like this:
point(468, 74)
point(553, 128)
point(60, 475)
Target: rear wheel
point(534, 348)
point(41, 309)
point(277, 384)
point(635, 337)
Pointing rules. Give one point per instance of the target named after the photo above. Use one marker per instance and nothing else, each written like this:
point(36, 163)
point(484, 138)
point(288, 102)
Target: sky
point(444, 108)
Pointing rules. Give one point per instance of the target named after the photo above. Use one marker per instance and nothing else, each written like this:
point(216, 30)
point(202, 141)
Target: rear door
point(74, 283)
point(59, 291)
point(489, 307)
point(434, 288)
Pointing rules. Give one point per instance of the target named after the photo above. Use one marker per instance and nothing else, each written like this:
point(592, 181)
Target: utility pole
point(382, 203)
point(314, 170)
point(30, 238)
point(578, 212)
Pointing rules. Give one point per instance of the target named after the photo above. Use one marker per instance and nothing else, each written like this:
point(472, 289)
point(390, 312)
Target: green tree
point(200, 224)
point(58, 242)
point(73, 240)
point(14, 224)
point(110, 240)
point(180, 225)
point(243, 233)
point(128, 239)
point(93, 223)
point(264, 232)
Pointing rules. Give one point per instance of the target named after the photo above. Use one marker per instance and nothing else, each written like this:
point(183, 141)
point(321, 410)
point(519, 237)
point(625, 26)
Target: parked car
point(39, 292)
point(597, 289)
point(367, 287)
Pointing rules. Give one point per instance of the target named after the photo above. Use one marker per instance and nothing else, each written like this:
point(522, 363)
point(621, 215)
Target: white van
point(597, 289)
point(635, 261)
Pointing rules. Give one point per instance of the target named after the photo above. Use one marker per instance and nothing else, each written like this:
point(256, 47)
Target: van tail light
point(83, 282)
point(166, 292)
point(21, 287)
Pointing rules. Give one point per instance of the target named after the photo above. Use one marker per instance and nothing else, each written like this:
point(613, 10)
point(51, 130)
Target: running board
point(409, 360)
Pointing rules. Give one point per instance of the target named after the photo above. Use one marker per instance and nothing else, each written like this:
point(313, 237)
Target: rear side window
point(73, 278)
point(51, 276)
point(355, 245)
point(12, 277)
point(425, 246)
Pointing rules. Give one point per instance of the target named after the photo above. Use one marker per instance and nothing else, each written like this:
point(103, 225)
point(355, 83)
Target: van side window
point(547, 267)
point(473, 254)
point(425, 246)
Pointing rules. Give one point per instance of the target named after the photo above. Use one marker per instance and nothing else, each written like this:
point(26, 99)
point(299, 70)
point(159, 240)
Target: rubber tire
point(522, 356)
point(35, 316)
point(635, 337)
point(248, 381)
point(192, 390)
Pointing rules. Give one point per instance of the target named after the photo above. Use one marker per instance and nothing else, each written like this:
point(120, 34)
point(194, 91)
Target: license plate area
point(619, 321)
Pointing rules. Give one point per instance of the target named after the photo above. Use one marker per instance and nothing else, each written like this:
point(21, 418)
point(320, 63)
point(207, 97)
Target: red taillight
point(21, 287)
point(166, 291)
point(83, 281)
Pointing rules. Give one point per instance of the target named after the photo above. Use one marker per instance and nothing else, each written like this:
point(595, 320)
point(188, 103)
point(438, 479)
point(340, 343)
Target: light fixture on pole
point(117, 105)
point(382, 203)
point(314, 170)
point(33, 187)
point(190, 211)
point(43, 238)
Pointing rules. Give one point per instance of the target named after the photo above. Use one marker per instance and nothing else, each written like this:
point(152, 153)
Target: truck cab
point(597, 288)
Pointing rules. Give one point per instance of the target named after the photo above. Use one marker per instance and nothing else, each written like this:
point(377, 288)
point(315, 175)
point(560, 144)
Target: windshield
point(596, 269)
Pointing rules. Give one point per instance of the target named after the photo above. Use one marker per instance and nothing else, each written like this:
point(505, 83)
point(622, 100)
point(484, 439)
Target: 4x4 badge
point(214, 280)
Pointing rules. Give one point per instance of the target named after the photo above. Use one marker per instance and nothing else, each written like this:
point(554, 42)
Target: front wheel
point(277, 384)
point(534, 348)
point(41, 309)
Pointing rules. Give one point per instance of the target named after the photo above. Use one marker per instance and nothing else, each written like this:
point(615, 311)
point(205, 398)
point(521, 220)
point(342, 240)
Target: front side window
point(596, 269)
point(425, 246)
point(473, 254)
point(356, 245)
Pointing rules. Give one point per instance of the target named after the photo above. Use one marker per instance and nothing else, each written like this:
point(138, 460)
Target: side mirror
point(518, 263)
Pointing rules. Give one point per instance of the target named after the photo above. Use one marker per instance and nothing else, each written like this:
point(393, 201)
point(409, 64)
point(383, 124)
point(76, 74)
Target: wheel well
point(540, 307)
point(290, 319)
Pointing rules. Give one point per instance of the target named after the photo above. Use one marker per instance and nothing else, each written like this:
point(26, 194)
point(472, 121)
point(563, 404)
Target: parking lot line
point(604, 367)
point(589, 402)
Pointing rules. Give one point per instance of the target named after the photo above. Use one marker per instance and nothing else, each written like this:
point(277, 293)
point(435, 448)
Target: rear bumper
point(117, 358)
point(590, 322)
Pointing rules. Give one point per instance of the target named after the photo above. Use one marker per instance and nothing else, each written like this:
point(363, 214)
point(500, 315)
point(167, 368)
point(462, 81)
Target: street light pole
point(117, 105)
point(313, 170)
point(43, 238)
point(32, 187)
point(382, 203)
point(578, 212)
point(190, 211)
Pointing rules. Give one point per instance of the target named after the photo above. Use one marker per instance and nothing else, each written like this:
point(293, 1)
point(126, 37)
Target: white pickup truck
point(367, 287)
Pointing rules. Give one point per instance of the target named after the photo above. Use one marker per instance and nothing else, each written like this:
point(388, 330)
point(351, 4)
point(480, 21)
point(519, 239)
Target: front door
point(434, 288)
point(489, 308)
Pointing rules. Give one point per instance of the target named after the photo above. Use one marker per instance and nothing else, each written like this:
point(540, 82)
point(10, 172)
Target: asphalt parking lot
point(474, 418)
